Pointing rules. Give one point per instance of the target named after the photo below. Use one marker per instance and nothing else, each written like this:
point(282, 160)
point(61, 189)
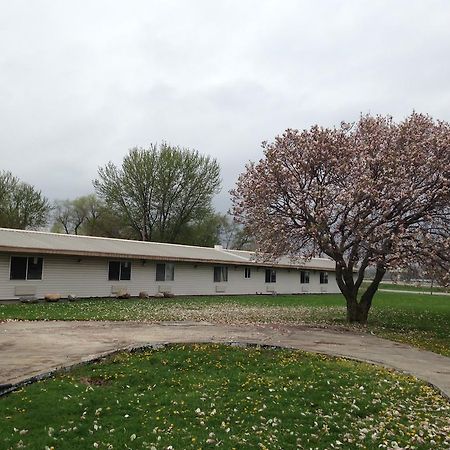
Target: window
point(220, 274)
point(125, 270)
point(160, 272)
point(247, 272)
point(119, 270)
point(304, 277)
point(34, 269)
point(271, 276)
point(26, 268)
point(114, 270)
point(165, 272)
point(323, 277)
point(18, 269)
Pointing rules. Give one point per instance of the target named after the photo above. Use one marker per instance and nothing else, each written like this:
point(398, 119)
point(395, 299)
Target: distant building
point(35, 264)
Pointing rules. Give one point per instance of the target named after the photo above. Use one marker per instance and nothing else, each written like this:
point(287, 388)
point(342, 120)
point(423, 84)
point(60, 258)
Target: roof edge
point(43, 251)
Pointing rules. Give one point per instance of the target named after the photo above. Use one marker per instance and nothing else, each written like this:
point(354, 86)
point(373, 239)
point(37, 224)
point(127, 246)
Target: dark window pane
point(247, 272)
point(34, 268)
point(224, 273)
point(18, 268)
point(170, 272)
point(304, 277)
point(114, 270)
point(271, 276)
point(160, 272)
point(125, 270)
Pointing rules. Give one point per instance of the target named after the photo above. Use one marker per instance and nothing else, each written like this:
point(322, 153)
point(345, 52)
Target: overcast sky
point(81, 82)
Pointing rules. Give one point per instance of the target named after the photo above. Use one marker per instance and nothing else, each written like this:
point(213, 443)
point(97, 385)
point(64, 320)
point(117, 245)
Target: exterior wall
point(88, 277)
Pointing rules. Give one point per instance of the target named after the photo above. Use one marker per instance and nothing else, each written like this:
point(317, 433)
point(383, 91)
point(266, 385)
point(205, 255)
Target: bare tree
point(88, 215)
point(69, 215)
point(233, 235)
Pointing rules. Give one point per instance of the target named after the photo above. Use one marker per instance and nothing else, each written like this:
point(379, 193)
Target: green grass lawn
point(420, 320)
point(412, 288)
point(207, 396)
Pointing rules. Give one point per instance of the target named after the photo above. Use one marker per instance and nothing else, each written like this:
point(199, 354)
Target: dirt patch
point(93, 381)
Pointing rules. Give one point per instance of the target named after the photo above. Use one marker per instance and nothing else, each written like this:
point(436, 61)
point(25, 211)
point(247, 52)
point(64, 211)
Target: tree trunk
point(358, 311)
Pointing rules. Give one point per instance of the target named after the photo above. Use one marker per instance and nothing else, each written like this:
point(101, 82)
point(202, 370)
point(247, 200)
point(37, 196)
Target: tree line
point(162, 193)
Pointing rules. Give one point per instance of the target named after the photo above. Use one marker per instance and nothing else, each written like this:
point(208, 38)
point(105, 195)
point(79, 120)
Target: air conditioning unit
point(118, 289)
point(23, 291)
point(164, 288)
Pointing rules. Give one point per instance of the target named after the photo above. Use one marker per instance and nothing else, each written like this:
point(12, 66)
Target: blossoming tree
point(373, 193)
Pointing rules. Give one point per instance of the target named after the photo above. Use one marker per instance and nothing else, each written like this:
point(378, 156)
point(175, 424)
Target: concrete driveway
point(31, 349)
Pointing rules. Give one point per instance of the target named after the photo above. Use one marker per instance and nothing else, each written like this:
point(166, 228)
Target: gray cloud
point(81, 82)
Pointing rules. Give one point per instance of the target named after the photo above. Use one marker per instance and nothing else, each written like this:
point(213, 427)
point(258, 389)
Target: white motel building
point(34, 264)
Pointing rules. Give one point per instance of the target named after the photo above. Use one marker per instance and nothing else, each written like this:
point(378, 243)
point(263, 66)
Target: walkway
point(28, 349)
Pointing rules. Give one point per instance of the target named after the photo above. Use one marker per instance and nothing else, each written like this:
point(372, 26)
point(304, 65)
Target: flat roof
point(38, 242)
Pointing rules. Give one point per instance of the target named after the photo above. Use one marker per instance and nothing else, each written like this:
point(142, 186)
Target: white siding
point(88, 277)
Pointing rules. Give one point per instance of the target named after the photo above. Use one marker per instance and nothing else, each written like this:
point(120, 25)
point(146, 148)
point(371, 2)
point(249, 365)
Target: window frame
point(122, 264)
point(27, 258)
point(323, 277)
point(247, 273)
point(305, 276)
point(165, 272)
point(223, 274)
point(270, 275)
